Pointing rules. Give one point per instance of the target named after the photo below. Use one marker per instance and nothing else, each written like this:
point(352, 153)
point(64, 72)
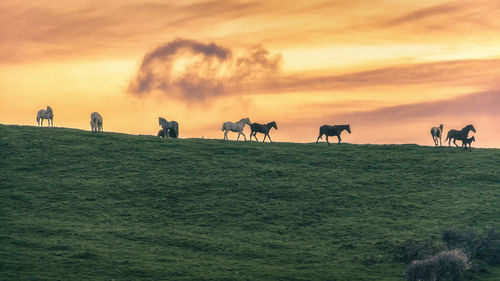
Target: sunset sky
point(392, 69)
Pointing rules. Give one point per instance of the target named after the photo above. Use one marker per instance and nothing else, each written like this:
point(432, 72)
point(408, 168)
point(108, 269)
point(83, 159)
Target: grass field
point(77, 205)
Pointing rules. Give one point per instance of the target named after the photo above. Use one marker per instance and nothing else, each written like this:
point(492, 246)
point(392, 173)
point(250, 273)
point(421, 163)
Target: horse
point(264, 129)
point(468, 141)
point(437, 133)
point(459, 135)
point(335, 130)
point(95, 122)
point(236, 127)
point(45, 114)
point(171, 128)
point(161, 133)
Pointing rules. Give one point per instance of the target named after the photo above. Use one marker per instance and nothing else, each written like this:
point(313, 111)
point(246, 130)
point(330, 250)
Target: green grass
point(77, 205)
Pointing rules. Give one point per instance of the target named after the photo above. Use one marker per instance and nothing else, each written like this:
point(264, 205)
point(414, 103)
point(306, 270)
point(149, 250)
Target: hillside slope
point(86, 206)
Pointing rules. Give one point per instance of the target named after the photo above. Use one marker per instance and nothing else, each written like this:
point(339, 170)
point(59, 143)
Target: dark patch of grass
point(78, 205)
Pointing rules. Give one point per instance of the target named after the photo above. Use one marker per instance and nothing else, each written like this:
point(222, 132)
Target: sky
point(392, 69)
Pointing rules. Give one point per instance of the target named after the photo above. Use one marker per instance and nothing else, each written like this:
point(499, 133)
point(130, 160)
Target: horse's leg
point(318, 138)
point(440, 143)
point(269, 138)
point(454, 142)
point(238, 136)
point(339, 138)
point(244, 136)
point(265, 135)
point(255, 136)
point(327, 139)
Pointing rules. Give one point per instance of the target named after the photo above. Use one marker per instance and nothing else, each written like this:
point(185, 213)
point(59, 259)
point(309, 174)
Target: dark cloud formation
point(195, 71)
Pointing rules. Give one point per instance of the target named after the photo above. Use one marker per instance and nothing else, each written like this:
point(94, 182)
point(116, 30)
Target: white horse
point(437, 133)
point(45, 114)
point(95, 122)
point(236, 127)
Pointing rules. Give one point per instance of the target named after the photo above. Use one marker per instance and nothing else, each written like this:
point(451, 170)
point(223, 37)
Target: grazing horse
point(468, 141)
point(264, 129)
point(45, 114)
point(459, 135)
point(437, 133)
point(330, 131)
point(171, 129)
point(95, 122)
point(236, 127)
point(161, 133)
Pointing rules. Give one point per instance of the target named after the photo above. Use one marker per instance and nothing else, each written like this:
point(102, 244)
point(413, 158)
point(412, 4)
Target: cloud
point(465, 106)
point(482, 72)
point(195, 71)
point(421, 14)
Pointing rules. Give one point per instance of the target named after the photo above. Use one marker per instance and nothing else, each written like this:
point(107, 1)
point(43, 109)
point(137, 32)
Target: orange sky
point(391, 68)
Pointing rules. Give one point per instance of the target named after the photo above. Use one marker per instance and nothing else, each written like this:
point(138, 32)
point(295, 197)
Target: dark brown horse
point(336, 130)
point(264, 129)
point(468, 142)
point(461, 135)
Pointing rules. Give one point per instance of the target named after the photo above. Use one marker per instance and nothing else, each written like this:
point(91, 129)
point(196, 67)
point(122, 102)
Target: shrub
point(468, 240)
point(452, 264)
point(486, 248)
point(411, 250)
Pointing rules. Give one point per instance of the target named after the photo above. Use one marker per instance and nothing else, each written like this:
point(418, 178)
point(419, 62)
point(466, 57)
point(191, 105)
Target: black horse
point(461, 135)
point(264, 129)
point(328, 130)
point(170, 129)
point(468, 142)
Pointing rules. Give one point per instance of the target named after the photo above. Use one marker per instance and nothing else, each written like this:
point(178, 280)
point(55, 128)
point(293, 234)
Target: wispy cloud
point(459, 72)
point(426, 13)
point(475, 105)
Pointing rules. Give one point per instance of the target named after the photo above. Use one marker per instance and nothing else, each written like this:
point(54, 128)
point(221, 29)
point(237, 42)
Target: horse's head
point(49, 109)
point(273, 125)
point(348, 128)
point(471, 127)
point(161, 121)
point(247, 121)
point(441, 127)
point(472, 139)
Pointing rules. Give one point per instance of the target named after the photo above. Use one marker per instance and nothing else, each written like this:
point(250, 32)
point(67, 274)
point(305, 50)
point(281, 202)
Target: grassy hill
point(76, 205)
